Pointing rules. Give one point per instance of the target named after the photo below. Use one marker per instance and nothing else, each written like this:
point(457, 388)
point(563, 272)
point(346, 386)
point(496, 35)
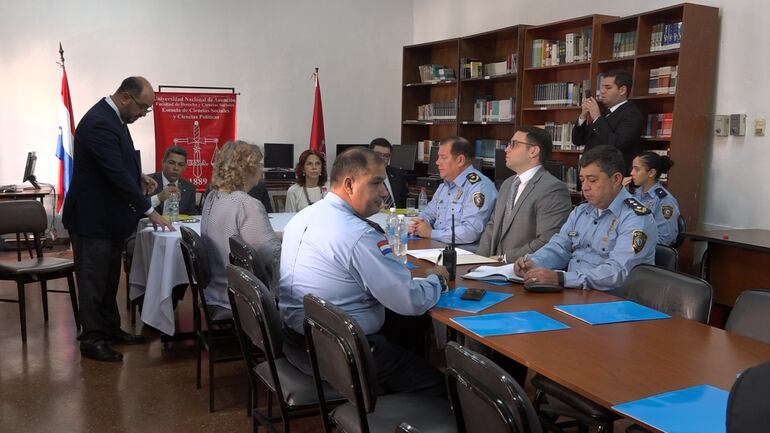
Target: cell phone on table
point(473, 294)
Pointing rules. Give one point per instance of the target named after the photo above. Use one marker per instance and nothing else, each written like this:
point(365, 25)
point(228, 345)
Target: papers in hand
point(494, 273)
point(464, 257)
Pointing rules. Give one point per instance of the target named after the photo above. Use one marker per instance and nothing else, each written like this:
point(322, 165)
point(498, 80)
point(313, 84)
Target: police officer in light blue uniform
point(465, 193)
point(645, 175)
point(603, 238)
point(331, 250)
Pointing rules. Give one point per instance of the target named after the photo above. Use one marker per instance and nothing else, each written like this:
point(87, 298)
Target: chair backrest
point(340, 353)
point(748, 406)
point(406, 428)
point(485, 398)
point(197, 265)
point(666, 257)
point(22, 216)
point(261, 265)
point(751, 315)
point(258, 316)
point(670, 292)
point(681, 226)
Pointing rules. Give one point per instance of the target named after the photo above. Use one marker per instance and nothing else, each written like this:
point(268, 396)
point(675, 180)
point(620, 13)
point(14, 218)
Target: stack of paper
point(464, 257)
point(494, 273)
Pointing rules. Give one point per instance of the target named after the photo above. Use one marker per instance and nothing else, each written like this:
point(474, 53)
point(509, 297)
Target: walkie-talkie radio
point(450, 255)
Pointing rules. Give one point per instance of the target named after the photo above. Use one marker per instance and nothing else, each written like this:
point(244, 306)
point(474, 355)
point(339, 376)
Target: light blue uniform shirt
point(599, 250)
point(471, 198)
point(332, 253)
point(664, 208)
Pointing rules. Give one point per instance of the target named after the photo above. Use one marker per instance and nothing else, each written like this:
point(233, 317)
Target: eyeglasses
point(144, 108)
point(513, 143)
point(383, 155)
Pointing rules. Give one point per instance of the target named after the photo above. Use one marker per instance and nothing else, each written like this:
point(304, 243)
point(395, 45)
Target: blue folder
point(520, 322)
point(700, 408)
point(451, 300)
point(611, 312)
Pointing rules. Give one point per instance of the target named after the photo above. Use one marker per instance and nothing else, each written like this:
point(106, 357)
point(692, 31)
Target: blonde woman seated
point(229, 210)
point(311, 181)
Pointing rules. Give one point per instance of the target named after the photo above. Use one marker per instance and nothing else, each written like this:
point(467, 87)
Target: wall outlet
point(759, 126)
point(721, 125)
point(738, 124)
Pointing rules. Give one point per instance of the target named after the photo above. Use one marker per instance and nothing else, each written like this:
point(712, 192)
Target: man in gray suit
point(531, 206)
point(170, 181)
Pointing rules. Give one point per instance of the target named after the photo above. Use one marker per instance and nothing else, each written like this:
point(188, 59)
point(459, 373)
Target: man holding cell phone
point(614, 120)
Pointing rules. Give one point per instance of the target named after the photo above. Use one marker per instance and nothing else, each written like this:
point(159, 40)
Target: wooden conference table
point(616, 363)
point(738, 260)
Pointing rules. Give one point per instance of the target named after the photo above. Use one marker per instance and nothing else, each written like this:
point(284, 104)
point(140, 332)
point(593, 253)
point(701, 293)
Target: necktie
point(508, 215)
point(389, 201)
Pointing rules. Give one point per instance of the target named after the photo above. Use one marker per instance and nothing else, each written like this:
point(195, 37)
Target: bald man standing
point(105, 201)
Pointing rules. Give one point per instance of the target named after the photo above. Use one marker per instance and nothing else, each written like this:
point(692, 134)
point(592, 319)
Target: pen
point(440, 255)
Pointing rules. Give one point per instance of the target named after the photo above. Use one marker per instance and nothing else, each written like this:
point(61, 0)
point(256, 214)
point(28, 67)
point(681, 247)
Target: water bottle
point(171, 208)
point(403, 238)
point(422, 200)
point(392, 225)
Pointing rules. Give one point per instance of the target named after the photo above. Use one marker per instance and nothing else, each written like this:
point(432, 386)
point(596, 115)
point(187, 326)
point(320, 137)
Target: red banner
point(199, 123)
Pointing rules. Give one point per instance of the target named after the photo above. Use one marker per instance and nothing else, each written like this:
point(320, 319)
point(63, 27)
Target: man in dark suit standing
point(396, 180)
point(103, 205)
point(170, 181)
point(618, 126)
point(532, 205)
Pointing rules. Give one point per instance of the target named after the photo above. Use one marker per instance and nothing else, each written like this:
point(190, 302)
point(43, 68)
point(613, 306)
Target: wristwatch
point(560, 276)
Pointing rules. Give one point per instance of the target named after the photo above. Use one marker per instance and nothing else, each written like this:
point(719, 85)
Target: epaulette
point(660, 192)
point(473, 178)
point(638, 208)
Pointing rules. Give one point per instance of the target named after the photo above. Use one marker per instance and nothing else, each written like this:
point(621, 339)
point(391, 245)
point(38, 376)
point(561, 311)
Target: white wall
point(266, 49)
point(736, 192)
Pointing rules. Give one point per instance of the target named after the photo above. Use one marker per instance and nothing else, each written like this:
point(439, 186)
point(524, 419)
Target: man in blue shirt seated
point(465, 193)
point(331, 250)
point(604, 237)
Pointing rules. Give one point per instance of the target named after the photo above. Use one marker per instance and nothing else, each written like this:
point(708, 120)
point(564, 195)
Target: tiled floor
point(45, 386)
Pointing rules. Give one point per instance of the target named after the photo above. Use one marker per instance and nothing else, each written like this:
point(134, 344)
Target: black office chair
point(750, 316)
point(748, 406)
point(259, 263)
point(681, 227)
point(259, 327)
point(29, 216)
point(220, 328)
point(484, 396)
point(664, 290)
point(666, 257)
point(341, 355)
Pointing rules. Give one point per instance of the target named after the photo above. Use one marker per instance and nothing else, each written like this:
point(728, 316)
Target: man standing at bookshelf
point(616, 121)
point(465, 193)
point(395, 183)
point(533, 204)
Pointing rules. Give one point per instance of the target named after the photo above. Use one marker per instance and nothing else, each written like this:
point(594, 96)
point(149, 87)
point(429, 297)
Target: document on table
point(494, 273)
point(464, 257)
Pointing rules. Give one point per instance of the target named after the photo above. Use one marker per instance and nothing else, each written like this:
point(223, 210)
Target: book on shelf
point(665, 36)
point(561, 134)
point(623, 44)
point(487, 110)
point(659, 125)
point(567, 94)
point(663, 80)
point(423, 149)
point(575, 47)
point(485, 149)
point(474, 68)
point(435, 73)
point(437, 111)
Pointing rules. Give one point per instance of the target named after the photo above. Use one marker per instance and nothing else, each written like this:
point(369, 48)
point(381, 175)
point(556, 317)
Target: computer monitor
point(343, 147)
point(432, 167)
point(403, 156)
point(279, 155)
point(29, 170)
point(502, 171)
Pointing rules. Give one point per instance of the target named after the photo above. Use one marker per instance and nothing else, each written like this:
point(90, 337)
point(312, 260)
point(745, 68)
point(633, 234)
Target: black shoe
point(123, 337)
point(100, 352)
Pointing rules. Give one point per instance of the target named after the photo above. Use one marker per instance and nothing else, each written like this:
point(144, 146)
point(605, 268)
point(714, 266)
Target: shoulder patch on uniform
point(636, 206)
point(384, 247)
point(478, 199)
point(638, 241)
point(660, 192)
point(473, 178)
point(667, 211)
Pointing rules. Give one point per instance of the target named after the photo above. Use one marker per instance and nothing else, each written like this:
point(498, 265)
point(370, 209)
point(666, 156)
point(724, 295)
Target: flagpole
point(61, 54)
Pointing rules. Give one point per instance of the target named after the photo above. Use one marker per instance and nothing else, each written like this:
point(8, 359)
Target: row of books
point(437, 111)
point(665, 36)
point(561, 94)
point(575, 47)
point(659, 125)
point(435, 73)
point(423, 149)
point(485, 149)
point(663, 80)
point(561, 135)
point(623, 44)
point(487, 110)
point(474, 68)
